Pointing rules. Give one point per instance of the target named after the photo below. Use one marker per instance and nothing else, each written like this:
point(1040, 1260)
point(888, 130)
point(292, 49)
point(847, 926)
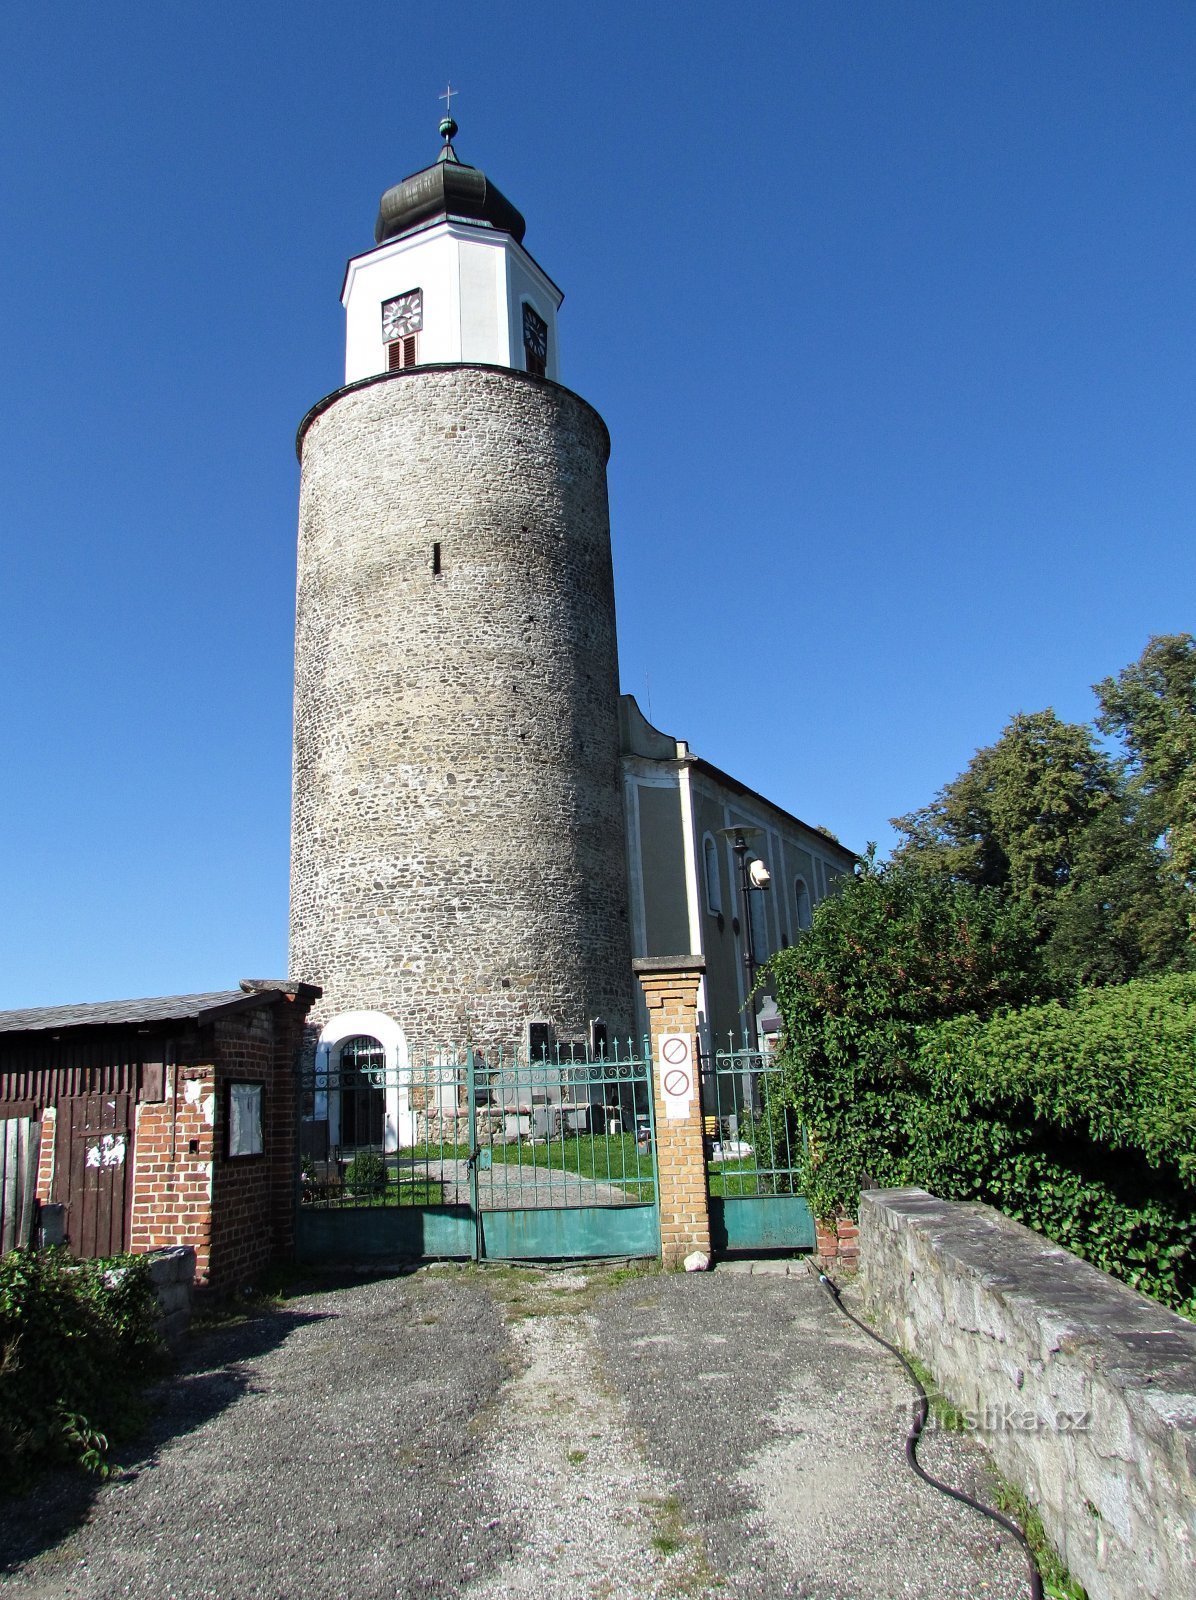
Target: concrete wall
point(662, 864)
point(172, 1273)
point(1085, 1390)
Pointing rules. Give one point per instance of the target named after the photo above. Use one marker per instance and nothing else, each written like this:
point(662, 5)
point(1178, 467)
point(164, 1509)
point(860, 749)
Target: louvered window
point(535, 342)
point(400, 353)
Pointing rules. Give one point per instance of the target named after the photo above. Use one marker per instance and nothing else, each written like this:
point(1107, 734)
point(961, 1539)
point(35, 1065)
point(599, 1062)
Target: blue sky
point(888, 308)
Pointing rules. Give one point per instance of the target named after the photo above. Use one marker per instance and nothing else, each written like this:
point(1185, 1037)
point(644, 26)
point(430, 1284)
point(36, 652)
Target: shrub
point(77, 1341)
point(1078, 1118)
point(366, 1174)
point(893, 951)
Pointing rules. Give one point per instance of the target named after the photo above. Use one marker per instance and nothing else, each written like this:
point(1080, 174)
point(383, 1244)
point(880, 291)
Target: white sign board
point(675, 1064)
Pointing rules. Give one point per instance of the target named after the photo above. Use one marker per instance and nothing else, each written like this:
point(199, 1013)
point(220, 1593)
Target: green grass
point(604, 1157)
point(612, 1159)
point(670, 1535)
point(735, 1179)
point(1057, 1581)
point(732, 1178)
point(410, 1192)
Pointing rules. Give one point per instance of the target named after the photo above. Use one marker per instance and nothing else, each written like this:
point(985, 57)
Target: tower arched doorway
point(362, 1083)
point(359, 1075)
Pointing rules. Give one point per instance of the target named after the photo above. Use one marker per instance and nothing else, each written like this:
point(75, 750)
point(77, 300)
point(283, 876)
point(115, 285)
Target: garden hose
point(915, 1433)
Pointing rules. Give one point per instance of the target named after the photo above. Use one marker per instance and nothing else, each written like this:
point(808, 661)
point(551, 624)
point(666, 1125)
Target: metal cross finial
point(447, 97)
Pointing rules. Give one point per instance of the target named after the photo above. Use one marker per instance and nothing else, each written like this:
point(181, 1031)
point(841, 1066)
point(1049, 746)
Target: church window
point(402, 322)
point(801, 896)
point(714, 891)
point(535, 341)
point(436, 559)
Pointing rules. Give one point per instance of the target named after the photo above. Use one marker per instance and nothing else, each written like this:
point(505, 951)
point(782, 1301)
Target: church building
point(485, 835)
point(484, 832)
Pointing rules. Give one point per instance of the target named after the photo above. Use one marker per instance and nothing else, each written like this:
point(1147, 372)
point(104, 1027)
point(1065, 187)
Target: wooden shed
point(163, 1121)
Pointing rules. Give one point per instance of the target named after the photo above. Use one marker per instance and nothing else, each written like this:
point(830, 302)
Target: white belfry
point(449, 280)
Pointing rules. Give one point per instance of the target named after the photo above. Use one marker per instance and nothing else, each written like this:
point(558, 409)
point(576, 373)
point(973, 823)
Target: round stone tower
point(458, 868)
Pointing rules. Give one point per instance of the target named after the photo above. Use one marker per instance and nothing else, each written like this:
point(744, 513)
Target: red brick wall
point(237, 1213)
point(838, 1242)
point(253, 1211)
point(172, 1164)
point(282, 1120)
point(242, 1195)
point(671, 998)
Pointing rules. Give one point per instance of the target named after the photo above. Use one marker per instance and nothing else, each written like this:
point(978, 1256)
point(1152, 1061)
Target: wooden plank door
point(95, 1151)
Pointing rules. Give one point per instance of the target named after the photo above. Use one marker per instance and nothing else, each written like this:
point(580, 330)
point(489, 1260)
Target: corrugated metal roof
point(164, 1008)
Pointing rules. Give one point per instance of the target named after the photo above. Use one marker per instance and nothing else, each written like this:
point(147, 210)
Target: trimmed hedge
point(77, 1342)
point(1076, 1117)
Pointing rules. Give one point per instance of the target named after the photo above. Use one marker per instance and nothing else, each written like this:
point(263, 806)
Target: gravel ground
point(505, 1433)
point(787, 1448)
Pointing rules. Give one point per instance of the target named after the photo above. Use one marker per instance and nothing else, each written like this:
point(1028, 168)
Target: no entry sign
point(675, 1065)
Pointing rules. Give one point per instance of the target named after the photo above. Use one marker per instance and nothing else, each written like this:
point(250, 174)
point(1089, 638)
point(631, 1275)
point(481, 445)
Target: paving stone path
point(500, 1432)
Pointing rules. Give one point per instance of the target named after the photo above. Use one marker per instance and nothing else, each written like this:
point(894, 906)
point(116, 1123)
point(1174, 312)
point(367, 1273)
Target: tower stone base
point(457, 838)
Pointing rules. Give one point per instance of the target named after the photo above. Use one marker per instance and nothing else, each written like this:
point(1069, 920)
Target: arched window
point(361, 1080)
point(714, 888)
point(801, 900)
point(758, 915)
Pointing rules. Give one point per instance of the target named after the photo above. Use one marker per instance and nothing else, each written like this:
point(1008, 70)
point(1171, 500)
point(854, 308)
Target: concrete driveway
point(498, 1432)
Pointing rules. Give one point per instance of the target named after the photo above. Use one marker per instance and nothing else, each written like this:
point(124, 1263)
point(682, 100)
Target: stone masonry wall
point(1085, 1390)
point(457, 835)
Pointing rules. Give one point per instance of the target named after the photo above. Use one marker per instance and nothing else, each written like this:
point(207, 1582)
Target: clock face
point(535, 333)
point(403, 315)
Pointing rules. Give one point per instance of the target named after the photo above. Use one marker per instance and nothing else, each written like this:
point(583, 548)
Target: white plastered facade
point(474, 281)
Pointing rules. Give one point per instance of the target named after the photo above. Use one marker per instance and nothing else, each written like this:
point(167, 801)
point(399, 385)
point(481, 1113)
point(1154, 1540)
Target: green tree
point(1120, 915)
point(897, 948)
point(1016, 816)
point(1151, 707)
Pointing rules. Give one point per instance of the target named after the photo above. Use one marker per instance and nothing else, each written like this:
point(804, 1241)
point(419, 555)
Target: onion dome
point(448, 190)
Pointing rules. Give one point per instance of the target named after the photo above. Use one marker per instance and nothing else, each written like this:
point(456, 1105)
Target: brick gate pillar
point(670, 986)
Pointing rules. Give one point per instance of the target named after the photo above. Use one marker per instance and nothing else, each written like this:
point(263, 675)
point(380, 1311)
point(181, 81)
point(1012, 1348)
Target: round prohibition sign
point(677, 1083)
point(675, 1052)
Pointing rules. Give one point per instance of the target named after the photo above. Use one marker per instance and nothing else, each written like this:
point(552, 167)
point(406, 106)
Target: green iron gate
point(755, 1155)
point(460, 1155)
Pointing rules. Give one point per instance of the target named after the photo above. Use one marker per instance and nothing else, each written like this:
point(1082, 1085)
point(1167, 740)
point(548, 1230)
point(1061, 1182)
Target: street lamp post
point(752, 875)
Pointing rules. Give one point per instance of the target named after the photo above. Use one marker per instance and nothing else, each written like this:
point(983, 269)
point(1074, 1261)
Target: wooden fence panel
point(20, 1143)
